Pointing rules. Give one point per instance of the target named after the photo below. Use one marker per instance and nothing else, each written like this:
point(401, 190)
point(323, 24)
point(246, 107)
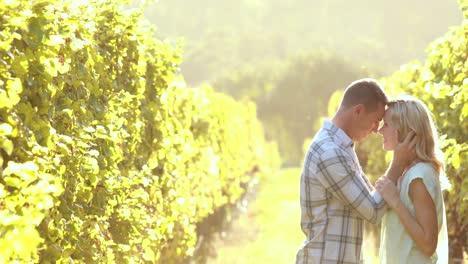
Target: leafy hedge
point(105, 154)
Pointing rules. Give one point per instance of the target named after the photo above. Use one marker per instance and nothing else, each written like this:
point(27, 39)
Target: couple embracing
point(336, 197)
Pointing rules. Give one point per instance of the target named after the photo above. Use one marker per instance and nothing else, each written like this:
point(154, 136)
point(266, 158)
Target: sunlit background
point(222, 37)
point(174, 131)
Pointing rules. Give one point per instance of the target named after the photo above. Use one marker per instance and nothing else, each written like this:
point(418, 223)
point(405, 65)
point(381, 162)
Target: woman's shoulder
point(422, 167)
point(423, 170)
point(428, 176)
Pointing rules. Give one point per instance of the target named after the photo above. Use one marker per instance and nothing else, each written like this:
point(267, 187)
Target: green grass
point(269, 231)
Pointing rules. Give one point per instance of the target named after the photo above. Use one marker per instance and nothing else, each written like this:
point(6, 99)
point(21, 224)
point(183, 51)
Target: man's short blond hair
point(364, 91)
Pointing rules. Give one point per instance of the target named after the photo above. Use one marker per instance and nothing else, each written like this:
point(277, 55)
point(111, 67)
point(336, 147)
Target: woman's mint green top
point(396, 245)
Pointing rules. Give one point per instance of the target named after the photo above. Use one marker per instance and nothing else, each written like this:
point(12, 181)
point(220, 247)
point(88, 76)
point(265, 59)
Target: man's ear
point(359, 109)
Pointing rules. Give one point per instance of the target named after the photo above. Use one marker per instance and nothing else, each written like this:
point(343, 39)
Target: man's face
point(368, 122)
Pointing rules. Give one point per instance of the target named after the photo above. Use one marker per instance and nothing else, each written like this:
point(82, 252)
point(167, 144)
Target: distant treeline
point(222, 35)
point(291, 95)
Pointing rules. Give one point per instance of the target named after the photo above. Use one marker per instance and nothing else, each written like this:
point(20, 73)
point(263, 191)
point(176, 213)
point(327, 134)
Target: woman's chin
point(388, 147)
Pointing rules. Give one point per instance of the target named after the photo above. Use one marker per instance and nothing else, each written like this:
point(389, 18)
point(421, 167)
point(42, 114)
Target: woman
point(414, 230)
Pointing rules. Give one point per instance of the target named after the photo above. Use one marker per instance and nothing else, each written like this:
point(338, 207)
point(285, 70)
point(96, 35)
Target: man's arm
point(336, 174)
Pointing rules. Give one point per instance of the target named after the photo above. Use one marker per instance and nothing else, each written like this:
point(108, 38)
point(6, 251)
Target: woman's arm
point(423, 230)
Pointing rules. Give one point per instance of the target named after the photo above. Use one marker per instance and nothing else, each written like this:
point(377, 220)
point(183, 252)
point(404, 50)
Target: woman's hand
point(389, 191)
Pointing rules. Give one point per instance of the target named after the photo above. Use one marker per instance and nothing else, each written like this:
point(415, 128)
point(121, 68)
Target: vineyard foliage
point(106, 155)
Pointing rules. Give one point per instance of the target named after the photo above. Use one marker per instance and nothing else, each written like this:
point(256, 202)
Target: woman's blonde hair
point(410, 114)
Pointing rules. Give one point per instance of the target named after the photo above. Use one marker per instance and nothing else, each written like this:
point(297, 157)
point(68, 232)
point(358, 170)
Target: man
point(335, 194)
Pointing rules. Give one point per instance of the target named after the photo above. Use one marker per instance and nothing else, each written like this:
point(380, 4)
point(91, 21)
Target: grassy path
point(268, 232)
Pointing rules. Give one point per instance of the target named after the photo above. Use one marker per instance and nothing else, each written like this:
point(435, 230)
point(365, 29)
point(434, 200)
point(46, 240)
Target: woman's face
point(389, 132)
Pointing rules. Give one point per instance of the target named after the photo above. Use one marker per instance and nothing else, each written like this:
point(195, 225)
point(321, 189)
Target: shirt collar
point(342, 138)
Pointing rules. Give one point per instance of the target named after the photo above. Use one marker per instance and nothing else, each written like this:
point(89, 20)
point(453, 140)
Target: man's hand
point(389, 192)
point(404, 152)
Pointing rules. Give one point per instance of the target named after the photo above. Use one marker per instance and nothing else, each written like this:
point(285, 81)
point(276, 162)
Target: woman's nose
point(375, 129)
point(379, 130)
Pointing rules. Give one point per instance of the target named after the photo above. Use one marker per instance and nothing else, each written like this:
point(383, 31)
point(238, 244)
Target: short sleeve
point(428, 175)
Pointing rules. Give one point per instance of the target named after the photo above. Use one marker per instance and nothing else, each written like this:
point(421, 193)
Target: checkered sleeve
point(337, 175)
point(377, 197)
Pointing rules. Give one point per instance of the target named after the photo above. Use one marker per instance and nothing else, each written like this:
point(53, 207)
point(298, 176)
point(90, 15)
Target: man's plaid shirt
point(336, 197)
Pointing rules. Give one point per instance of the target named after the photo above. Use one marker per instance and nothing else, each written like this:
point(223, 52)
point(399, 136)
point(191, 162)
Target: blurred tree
point(222, 35)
